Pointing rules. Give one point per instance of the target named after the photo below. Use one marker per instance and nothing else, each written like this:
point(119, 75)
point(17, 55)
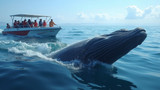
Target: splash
point(77, 65)
point(30, 49)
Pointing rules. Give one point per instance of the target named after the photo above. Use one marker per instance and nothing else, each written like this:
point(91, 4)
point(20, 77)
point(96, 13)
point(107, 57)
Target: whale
point(107, 48)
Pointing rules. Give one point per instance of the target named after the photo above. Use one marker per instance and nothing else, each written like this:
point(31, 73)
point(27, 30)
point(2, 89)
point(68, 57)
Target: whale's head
point(109, 48)
point(105, 48)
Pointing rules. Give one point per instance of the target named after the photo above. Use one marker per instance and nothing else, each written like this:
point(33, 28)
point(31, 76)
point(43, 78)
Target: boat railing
point(28, 26)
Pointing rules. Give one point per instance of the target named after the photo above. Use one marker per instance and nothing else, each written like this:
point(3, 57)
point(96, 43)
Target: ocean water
point(24, 64)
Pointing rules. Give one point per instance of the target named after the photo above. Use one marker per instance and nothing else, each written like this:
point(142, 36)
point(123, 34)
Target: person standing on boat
point(40, 23)
point(8, 26)
point(35, 23)
point(15, 24)
point(30, 23)
point(24, 23)
point(44, 23)
point(51, 23)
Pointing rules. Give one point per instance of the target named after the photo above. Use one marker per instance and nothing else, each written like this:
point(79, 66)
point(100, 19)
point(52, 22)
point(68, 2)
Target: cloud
point(148, 15)
point(155, 12)
point(92, 16)
point(82, 15)
point(133, 12)
point(100, 18)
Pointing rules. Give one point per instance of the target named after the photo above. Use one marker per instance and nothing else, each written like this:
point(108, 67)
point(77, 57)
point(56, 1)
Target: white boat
point(31, 31)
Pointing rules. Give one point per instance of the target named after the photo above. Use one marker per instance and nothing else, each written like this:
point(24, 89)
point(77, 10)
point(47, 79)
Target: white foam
point(30, 50)
point(77, 64)
point(41, 50)
point(28, 53)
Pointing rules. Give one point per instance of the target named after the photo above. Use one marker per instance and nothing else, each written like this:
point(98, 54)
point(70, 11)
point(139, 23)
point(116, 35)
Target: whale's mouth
point(141, 36)
point(143, 31)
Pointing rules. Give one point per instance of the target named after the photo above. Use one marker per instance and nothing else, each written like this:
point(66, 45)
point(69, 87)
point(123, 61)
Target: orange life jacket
point(51, 24)
point(35, 24)
point(44, 24)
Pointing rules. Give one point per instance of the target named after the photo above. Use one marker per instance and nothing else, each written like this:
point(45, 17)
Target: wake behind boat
point(31, 29)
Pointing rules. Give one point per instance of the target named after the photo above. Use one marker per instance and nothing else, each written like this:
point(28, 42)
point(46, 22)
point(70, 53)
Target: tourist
point(15, 24)
point(51, 23)
point(44, 23)
point(24, 23)
point(30, 23)
point(35, 23)
point(8, 26)
point(40, 23)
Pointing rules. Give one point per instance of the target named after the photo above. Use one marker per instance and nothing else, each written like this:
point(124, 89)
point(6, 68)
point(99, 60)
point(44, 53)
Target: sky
point(143, 12)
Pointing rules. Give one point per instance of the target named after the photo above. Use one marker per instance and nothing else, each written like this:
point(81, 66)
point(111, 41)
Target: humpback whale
point(106, 48)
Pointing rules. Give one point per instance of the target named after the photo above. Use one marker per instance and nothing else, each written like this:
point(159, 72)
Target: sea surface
point(24, 62)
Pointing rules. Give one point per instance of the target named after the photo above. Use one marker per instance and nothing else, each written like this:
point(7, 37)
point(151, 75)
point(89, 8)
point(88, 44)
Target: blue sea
point(25, 65)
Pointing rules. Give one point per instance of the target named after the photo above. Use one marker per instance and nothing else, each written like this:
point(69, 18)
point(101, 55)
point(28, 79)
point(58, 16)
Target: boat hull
point(39, 31)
